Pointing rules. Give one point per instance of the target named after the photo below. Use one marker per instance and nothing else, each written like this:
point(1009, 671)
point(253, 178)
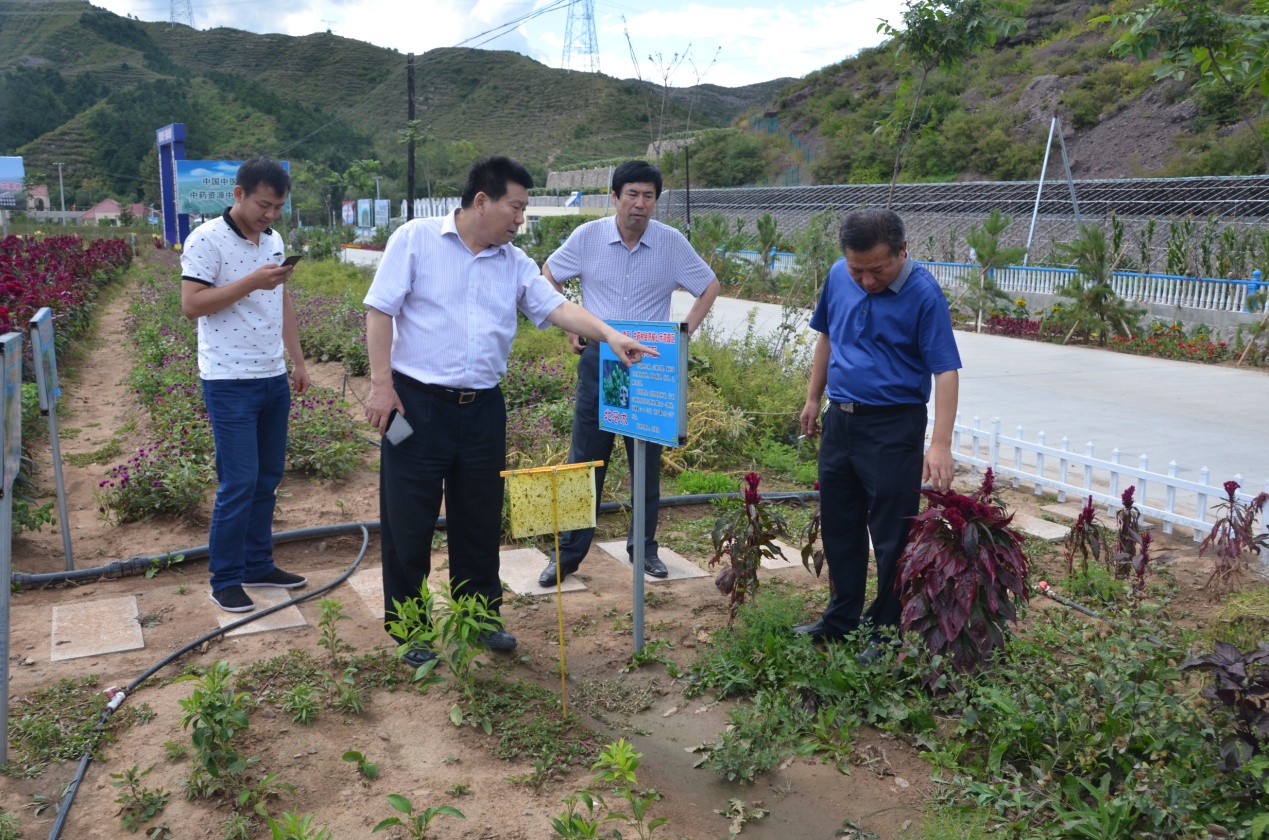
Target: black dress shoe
point(547, 578)
point(417, 657)
point(871, 653)
point(653, 566)
point(817, 630)
point(498, 640)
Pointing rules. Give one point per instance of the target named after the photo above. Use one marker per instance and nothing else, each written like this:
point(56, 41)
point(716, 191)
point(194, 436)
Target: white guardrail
point(1194, 292)
point(1164, 497)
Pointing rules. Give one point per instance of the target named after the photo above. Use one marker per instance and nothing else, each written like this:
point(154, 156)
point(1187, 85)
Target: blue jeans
point(248, 420)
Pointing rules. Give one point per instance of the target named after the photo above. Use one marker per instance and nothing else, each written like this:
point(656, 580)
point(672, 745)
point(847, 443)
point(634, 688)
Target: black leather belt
point(863, 408)
point(455, 395)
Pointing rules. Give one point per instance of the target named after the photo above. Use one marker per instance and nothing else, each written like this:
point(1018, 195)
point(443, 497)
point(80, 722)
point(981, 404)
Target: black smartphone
point(293, 259)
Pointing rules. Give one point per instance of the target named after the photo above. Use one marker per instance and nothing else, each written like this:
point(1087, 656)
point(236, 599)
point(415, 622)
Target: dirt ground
point(406, 733)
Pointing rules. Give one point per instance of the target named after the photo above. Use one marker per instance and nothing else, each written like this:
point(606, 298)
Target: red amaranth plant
point(745, 538)
point(1233, 535)
point(1128, 539)
point(1087, 537)
point(961, 575)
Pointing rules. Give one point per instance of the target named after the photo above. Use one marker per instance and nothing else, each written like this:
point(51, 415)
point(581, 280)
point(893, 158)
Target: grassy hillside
point(88, 88)
point(990, 118)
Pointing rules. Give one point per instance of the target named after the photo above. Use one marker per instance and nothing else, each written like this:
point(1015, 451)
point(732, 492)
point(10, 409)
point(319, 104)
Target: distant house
point(108, 211)
point(37, 198)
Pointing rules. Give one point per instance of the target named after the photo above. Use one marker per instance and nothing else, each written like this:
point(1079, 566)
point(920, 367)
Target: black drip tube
point(141, 564)
point(120, 696)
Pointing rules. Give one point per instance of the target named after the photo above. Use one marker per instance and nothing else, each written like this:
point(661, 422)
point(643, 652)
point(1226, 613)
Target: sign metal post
point(647, 402)
point(44, 352)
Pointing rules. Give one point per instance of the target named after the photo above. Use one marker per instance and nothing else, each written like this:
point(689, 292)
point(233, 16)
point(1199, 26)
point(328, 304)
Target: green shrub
point(704, 482)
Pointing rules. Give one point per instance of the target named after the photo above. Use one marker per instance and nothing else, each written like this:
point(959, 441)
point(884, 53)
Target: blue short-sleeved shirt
point(885, 347)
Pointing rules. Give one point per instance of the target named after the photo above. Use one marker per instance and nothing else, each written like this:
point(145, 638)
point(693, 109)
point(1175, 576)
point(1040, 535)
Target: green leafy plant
point(1094, 309)
point(302, 703)
point(703, 482)
point(332, 613)
point(459, 789)
point(616, 766)
point(364, 767)
point(175, 750)
point(1233, 535)
point(981, 292)
point(255, 796)
point(10, 828)
point(349, 697)
point(138, 804)
point(744, 538)
point(961, 574)
point(452, 627)
point(217, 715)
point(416, 825)
point(297, 827)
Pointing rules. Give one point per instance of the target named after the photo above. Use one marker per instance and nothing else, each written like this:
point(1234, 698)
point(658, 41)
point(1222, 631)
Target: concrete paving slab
point(678, 567)
point(520, 568)
point(110, 625)
point(264, 597)
point(1066, 510)
point(792, 558)
point(1037, 527)
point(368, 584)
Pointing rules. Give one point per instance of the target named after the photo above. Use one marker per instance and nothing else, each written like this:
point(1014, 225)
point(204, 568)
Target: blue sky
point(727, 42)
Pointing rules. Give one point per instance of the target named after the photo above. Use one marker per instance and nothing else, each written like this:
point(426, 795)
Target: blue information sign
point(206, 187)
point(647, 401)
point(45, 357)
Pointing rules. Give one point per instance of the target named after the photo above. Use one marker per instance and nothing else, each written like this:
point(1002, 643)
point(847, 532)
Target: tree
point(981, 291)
point(1198, 36)
point(1094, 308)
point(414, 135)
point(940, 34)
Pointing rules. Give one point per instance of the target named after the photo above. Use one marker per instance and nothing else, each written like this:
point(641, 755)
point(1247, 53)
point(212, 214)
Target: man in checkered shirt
point(628, 266)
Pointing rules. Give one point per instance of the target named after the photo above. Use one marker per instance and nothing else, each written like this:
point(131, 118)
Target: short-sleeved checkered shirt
point(243, 340)
point(629, 284)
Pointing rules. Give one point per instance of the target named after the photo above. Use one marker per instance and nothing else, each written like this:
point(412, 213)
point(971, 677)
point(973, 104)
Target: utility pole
point(377, 177)
point(409, 150)
point(61, 189)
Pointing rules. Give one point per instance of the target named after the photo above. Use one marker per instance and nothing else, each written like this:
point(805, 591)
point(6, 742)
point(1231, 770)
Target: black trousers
point(870, 480)
point(455, 453)
point(591, 444)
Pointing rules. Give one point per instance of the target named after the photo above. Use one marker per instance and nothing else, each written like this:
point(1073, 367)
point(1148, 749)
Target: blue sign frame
point(647, 401)
point(10, 411)
point(44, 354)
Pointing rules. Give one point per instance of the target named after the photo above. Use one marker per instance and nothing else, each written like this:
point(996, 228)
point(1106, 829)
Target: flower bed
point(58, 272)
point(172, 474)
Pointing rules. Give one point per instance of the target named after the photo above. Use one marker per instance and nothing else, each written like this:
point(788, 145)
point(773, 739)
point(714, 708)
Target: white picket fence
point(1192, 292)
point(1163, 497)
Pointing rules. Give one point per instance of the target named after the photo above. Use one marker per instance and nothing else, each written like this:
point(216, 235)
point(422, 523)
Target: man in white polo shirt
point(232, 282)
point(628, 265)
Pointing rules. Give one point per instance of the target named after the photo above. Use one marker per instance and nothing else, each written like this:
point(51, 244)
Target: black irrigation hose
point(143, 564)
point(1075, 605)
point(120, 696)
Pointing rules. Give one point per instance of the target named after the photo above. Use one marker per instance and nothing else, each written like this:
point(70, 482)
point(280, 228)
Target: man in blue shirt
point(885, 331)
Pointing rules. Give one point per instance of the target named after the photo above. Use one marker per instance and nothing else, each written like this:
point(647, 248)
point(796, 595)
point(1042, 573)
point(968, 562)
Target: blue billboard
point(206, 187)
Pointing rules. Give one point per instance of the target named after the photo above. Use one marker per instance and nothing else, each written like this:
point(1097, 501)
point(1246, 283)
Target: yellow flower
point(1021, 301)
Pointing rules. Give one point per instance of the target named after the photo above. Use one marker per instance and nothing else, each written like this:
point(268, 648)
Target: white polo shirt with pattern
point(243, 340)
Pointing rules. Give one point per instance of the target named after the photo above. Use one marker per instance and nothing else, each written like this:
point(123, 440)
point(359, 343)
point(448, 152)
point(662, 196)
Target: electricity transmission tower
point(580, 41)
point(182, 12)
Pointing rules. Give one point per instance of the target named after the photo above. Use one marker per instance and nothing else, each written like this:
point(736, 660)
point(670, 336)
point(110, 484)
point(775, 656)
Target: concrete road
point(1197, 415)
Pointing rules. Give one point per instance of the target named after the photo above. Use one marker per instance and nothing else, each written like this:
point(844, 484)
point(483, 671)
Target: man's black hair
point(266, 171)
point(863, 230)
point(636, 172)
point(490, 175)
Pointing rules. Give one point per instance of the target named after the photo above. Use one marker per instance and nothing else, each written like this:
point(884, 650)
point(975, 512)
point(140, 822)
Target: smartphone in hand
point(293, 259)
point(398, 429)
